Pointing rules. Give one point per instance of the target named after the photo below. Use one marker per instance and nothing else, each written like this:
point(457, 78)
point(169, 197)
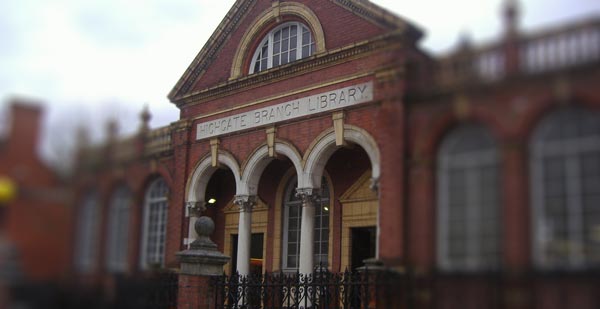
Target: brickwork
point(415, 104)
point(37, 221)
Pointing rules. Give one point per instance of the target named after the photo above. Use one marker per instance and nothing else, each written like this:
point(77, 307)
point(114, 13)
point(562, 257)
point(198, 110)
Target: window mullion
point(472, 217)
point(270, 53)
point(299, 33)
point(443, 231)
point(539, 212)
point(574, 210)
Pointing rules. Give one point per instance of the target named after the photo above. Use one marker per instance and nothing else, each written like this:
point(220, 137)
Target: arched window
point(87, 233)
point(118, 230)
point(292, 212)
point(565, 182)
point(287, 43)
point(155, 224)
point(468, 200)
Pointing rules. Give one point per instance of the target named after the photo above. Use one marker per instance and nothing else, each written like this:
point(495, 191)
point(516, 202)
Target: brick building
point(318, 132)
point(37, 220)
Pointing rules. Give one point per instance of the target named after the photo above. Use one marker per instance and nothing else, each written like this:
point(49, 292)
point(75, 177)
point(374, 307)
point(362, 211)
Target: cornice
point(372, 13)
point(314, 63)
point(239, 10)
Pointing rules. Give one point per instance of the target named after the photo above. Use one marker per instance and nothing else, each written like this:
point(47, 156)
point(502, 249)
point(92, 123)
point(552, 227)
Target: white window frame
point(570, 150)
point(323, 201)
point(118, 230)
point(87, 233)
point(160, 204)
point(470, 163)
point(269, 39)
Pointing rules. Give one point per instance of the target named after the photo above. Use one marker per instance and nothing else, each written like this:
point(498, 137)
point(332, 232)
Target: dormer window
point(287, 43)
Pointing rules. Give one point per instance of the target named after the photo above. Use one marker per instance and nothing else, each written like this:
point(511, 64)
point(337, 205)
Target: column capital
point(195, 208)
point(374, 185)
point(245, 202)
point(308, 195)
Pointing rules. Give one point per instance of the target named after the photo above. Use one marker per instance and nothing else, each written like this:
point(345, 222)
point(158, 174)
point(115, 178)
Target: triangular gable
point(360, 191)
point(234, 18)
point(211, 48)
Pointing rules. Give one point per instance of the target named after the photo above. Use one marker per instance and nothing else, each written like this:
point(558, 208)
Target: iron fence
point(322, 289)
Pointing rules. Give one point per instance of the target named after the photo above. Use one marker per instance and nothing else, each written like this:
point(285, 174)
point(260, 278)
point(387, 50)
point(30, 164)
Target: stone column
point(307, 229)
point(245, 203)
point(374, 185)
point(194, 210)
point(198, 264)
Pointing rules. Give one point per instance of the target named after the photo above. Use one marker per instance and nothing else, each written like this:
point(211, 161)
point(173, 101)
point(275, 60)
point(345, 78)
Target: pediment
point(360, 190)
point(214, 64)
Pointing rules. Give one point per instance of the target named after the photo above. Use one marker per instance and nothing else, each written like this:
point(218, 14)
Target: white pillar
point(375, 187)
point(245, 203)
point(307, 229)
point(194, 211)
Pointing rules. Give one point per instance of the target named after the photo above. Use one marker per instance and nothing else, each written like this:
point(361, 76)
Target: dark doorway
point(256, 253)
point(363, 245)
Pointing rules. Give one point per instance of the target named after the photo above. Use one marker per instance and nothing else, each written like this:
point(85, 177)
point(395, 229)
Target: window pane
point(468, 199)
point(567, 143)
point(284, 48)
point(155, 214)
point(305, 51)
point(118, 233)
point(292, 222)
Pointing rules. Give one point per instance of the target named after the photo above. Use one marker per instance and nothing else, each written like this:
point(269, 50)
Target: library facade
point(318, 135)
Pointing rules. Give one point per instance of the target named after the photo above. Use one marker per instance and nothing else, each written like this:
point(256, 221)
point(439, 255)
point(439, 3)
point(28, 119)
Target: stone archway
point(324, 146)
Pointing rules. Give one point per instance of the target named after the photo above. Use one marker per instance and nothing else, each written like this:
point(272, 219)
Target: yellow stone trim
point(271, 132)
point(274, 14)
point(356, 212)
point(331, 215)
point(461, 106)
point(363, 180)
point(214, 152)
point(277, 228)
point(338, 125)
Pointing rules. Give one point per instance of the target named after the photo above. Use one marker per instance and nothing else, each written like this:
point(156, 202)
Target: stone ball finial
point(204, 226)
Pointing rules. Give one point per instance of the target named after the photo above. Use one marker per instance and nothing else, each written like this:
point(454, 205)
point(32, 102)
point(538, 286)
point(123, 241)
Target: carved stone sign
point(305, 106)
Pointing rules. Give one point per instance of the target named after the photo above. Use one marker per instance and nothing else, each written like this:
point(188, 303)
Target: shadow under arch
point(198, 181)
point(323, 148)
point(258, 161)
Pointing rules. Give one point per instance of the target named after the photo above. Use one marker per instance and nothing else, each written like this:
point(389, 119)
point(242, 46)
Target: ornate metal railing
point(323, 289)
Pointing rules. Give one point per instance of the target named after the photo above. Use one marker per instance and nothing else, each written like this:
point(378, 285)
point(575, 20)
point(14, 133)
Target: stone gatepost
point(198, 265)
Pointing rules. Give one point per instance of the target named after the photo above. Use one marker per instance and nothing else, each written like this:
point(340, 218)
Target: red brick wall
point(334, 20)
point(37, 221)
point(510, 111)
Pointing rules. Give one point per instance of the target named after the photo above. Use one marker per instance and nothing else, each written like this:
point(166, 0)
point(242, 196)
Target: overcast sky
point(94, 59)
